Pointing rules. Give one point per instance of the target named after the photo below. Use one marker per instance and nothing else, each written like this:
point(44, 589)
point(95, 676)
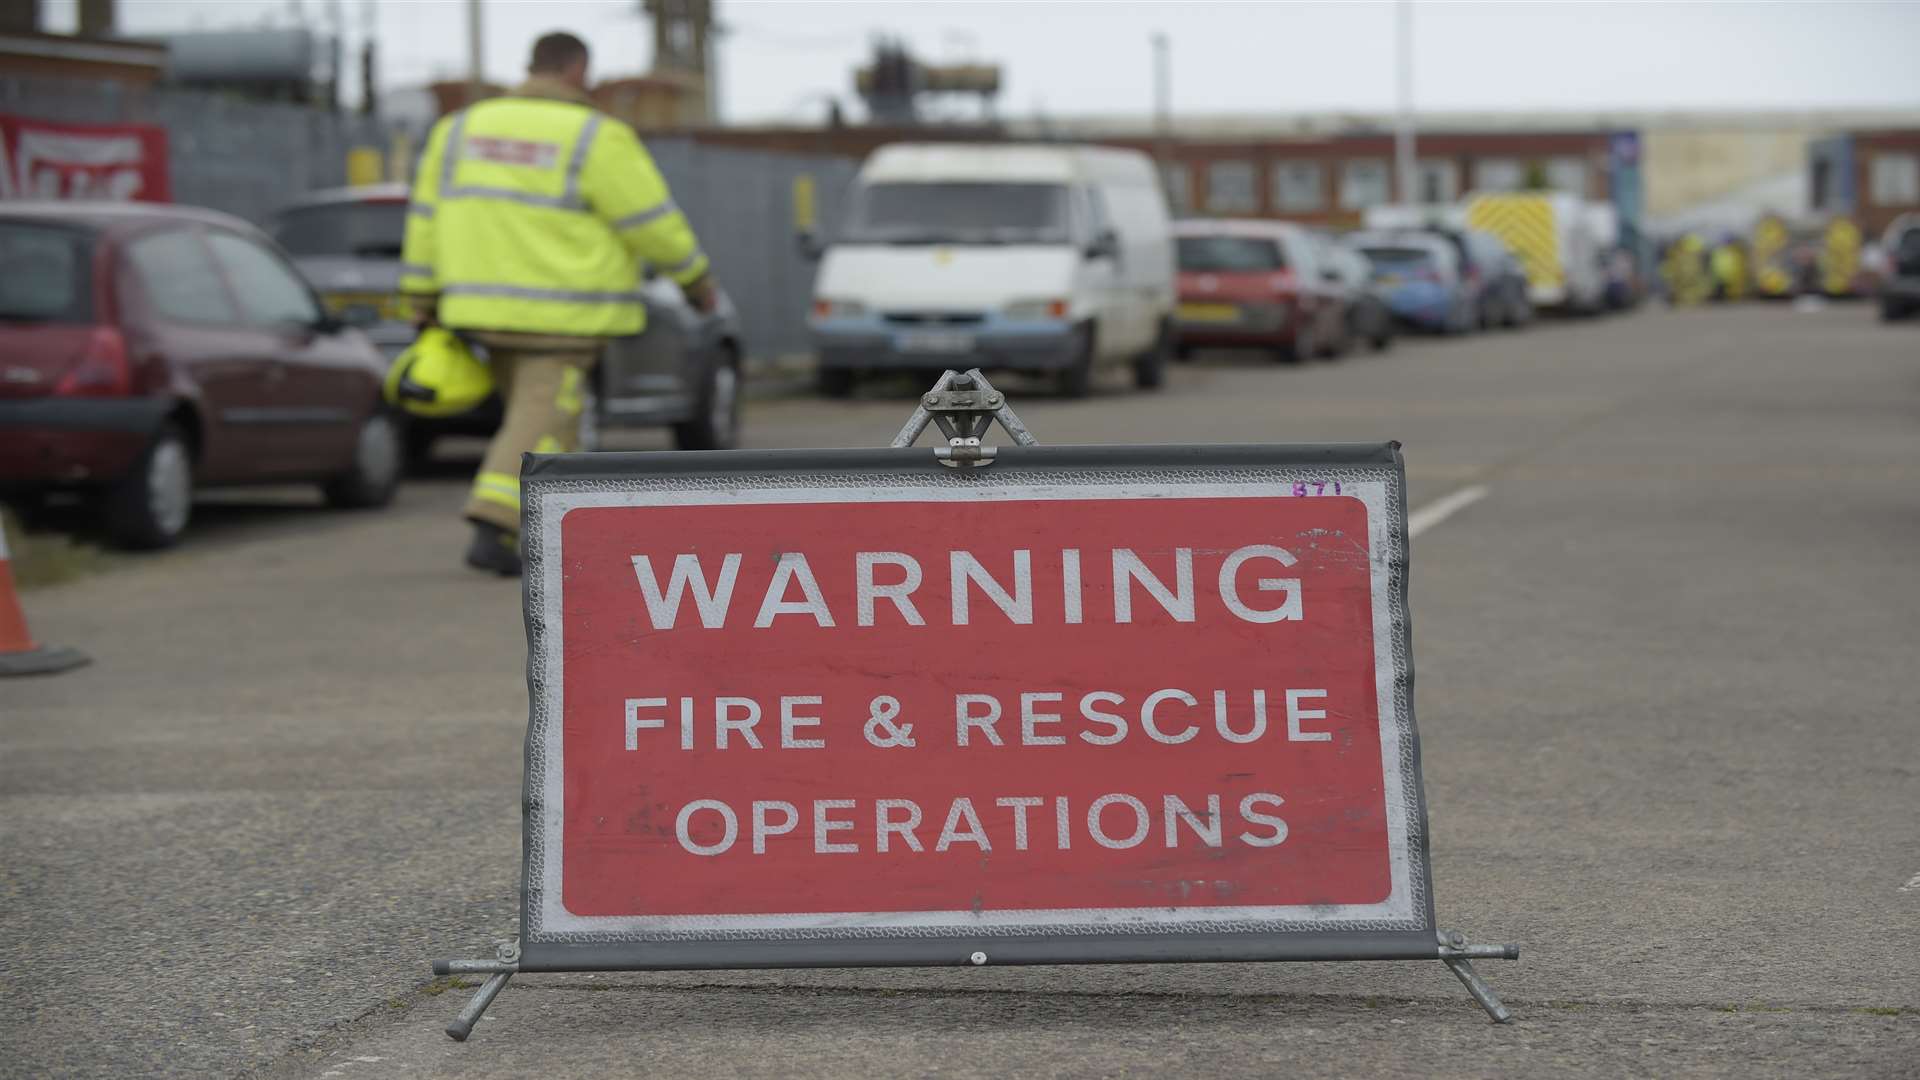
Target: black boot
point(494, 549)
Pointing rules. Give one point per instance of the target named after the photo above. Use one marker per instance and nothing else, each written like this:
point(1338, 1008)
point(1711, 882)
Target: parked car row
point(1301, 292)
point(149, 350)
point(1054, 259)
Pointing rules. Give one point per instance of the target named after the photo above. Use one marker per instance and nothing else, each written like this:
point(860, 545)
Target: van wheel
point(1076, 380)
point(1150, 367)
point(378, 454)
point(717, 425)
point(837, 382)
point(149, 506)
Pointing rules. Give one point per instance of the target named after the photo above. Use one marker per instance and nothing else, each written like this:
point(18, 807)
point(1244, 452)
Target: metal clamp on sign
point(965, 406)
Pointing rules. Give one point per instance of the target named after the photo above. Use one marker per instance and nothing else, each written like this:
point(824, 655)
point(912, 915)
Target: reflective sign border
point(550, 484)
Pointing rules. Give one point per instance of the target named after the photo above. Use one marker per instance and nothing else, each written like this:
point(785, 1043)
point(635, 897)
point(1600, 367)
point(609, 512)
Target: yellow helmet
point(438, 376)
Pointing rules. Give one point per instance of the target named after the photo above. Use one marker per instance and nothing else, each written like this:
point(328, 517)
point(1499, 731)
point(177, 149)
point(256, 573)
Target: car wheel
point(837, 382)
point(1292, 351)
point(1338, 347)
point(717, 427)
point(378, 454)
point(1150, 367)
point(1076, 380)
point(418, 444)
point(150, 505)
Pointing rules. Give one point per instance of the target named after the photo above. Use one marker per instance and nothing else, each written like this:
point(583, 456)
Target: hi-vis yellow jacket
point(530, 214)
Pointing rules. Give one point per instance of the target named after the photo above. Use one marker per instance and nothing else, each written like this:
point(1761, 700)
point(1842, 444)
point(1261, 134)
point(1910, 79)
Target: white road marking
point(1912, 885)
point(1445, 507)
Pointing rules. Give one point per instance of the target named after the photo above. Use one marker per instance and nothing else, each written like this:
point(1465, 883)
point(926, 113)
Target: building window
point(1568, 174)
point(1177, 176)
point(1364, 183)
point(1230, 188)
point(1822, 183)
point(1498, 174)
point(1895, 179)
point(1439, 181)
point(1297, 185)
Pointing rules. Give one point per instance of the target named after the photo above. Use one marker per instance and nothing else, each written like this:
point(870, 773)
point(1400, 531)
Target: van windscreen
point(970, 212)
point(1227, 254)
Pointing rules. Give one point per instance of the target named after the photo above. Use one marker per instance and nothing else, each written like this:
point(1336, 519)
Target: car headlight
point(1036, 309)
point(824, 308)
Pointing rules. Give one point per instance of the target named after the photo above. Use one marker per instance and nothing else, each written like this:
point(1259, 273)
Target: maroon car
point(1258, 284)
point(147, 350)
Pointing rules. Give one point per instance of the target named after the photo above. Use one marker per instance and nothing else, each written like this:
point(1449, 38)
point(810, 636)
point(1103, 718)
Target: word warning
point(1001, 702)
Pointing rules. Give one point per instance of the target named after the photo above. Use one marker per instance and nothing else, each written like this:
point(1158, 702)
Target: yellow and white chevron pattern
point(1525, 222)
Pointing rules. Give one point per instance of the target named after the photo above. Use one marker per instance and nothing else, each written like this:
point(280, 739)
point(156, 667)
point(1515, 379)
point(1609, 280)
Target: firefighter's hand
point(426, 311)
point(702, 294)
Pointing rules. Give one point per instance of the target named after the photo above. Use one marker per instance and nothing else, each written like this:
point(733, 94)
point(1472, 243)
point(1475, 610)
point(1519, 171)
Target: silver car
point(683, 371)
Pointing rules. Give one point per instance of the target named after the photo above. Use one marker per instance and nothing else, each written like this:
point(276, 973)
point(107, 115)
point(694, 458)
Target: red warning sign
point(1099, 705)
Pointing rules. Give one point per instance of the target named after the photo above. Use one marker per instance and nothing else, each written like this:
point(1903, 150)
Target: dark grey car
point(683, 371)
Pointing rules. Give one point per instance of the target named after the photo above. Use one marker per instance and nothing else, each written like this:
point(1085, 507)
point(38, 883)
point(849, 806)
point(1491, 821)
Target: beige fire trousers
point(541, 388)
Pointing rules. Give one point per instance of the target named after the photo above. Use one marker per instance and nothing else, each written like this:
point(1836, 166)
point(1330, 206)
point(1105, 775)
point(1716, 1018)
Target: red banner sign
point(1105, 704)
point(41, 160)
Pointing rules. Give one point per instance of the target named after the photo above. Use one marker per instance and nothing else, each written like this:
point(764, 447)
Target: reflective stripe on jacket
point(530, 214)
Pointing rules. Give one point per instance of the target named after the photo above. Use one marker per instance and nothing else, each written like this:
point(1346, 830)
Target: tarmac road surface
point(1667, 689)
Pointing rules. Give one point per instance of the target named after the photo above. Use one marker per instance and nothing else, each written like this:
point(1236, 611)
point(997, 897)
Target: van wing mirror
point(809, 245)
point(1104, 246)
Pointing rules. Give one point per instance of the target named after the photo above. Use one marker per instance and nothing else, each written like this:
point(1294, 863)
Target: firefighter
point(529, 216)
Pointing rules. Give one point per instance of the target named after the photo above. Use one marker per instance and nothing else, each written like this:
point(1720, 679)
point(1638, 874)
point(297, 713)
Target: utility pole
point(1403, 149)
point(369, 52)
point(1162, 85)
point(97, 18)
point(1162, 96)
point(476, 76)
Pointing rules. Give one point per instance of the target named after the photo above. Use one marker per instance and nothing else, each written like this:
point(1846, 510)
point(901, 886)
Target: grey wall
point(243, 157)
point(741, 204)
point(248, 157)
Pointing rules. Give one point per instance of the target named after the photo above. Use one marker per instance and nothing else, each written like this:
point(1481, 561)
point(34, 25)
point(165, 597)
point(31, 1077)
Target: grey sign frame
point(548, 480)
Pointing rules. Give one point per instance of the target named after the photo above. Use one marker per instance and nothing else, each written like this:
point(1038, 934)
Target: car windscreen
point(958, 212)
point(1228, 254)
point(45, 273)
point(367, 230)
point(1398, 260)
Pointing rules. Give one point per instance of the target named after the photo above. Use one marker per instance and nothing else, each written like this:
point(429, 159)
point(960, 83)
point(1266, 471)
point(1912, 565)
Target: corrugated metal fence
point(741, 204)
point(249, 157)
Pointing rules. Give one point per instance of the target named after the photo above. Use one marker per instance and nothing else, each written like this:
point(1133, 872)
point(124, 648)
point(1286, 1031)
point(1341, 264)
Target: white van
point(1018, 257)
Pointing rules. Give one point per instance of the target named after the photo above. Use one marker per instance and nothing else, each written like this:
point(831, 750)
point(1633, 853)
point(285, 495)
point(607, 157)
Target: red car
point(146, 350)
point(1259, 284)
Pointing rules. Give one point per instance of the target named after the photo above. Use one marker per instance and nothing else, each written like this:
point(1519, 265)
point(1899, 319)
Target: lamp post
point(1403, 149)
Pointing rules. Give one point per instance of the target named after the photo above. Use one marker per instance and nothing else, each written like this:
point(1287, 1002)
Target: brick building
point(1870, 176)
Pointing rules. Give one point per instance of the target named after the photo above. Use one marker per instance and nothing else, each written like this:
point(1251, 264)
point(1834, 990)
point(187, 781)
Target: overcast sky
point(779, 58)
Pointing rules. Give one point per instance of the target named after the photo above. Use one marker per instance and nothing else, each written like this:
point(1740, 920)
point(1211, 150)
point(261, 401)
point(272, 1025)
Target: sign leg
point(462, 1025)
point(1462, 969)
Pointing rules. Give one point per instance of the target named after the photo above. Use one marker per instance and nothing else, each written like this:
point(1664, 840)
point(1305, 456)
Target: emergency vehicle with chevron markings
point(1556, 240)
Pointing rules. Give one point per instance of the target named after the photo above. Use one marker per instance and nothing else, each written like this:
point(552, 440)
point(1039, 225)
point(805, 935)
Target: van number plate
point(936, 341)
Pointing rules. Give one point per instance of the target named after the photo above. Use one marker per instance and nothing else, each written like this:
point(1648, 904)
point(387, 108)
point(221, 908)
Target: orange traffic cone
point(18, 653)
